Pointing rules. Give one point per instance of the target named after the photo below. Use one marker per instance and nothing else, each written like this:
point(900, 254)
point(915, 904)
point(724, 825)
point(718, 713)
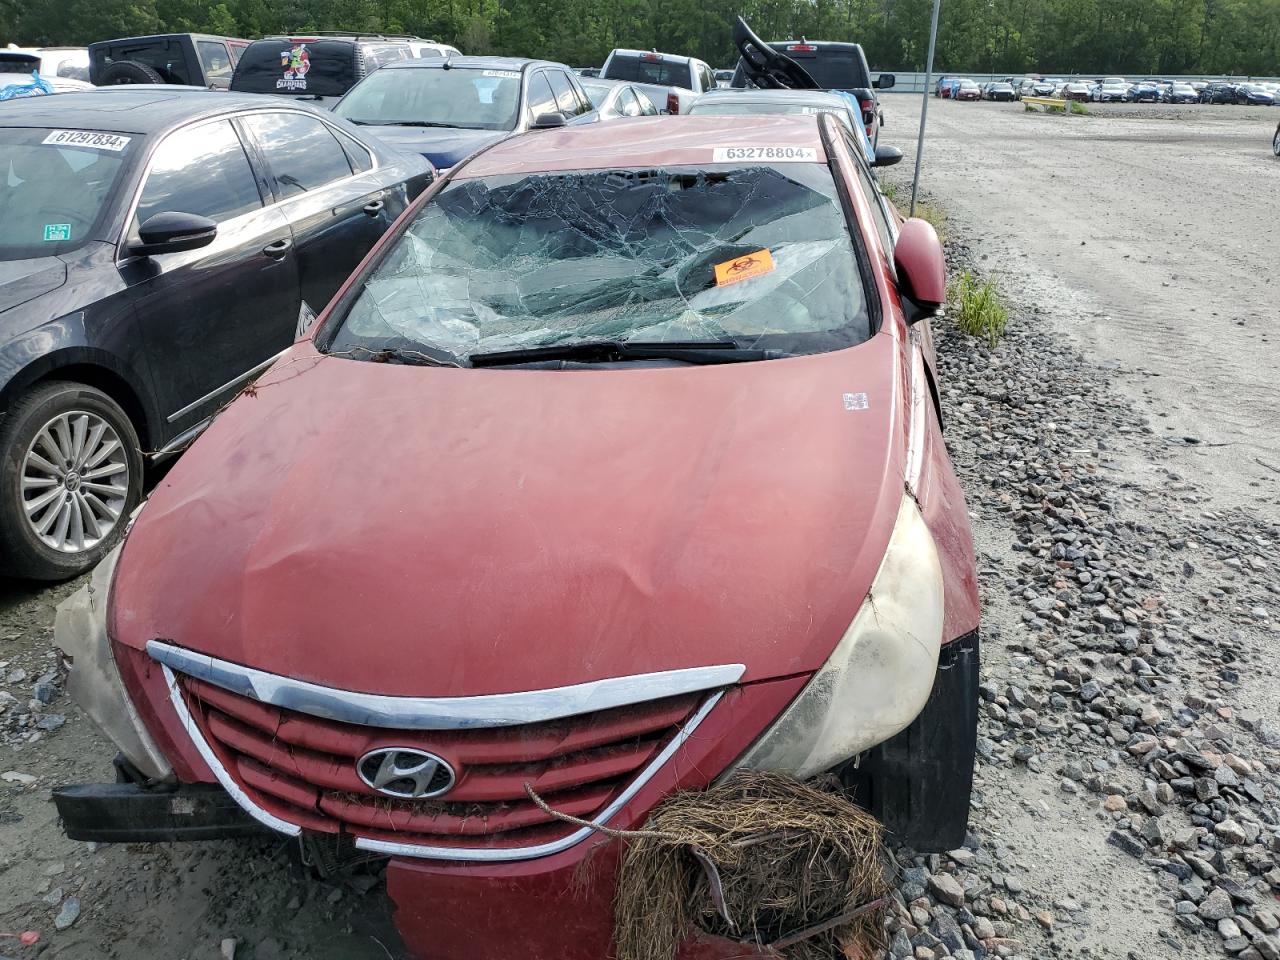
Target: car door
point(337, 213)
point(211, 317)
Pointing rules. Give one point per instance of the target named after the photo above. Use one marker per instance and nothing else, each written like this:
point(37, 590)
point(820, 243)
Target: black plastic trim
point(918, 783)
point(131, 813)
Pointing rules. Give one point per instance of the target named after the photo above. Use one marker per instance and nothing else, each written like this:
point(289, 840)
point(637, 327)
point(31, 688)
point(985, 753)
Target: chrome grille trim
point(206, 753)
point(442, 713)
point(422, 851)
point(492, 854)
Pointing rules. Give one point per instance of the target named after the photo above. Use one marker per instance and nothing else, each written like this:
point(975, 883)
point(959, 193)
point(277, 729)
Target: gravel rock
point(947, 889)
point(68, 915)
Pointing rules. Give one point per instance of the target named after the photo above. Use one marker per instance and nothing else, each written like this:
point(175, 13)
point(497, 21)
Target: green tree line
point(1015, 36)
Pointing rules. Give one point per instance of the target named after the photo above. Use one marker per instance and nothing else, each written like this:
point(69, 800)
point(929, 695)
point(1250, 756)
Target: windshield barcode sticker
point(503, 74)
point(84, 138)
point(775, 154)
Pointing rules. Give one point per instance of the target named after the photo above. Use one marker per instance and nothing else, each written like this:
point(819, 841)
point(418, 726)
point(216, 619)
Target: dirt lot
point(1145, 237)
point(1148, 234)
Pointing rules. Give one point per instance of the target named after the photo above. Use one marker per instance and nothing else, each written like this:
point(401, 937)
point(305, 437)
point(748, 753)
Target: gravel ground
point(1125, 802)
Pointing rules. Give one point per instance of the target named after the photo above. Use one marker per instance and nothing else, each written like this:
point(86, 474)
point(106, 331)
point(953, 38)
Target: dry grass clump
point(788, 856)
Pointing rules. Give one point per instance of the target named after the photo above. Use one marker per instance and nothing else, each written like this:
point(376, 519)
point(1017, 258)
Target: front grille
point(303, 769)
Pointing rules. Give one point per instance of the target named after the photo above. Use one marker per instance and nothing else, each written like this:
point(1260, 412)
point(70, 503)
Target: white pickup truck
point(672, 82)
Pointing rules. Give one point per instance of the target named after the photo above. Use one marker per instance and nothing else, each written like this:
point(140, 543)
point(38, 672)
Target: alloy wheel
point(75, 481)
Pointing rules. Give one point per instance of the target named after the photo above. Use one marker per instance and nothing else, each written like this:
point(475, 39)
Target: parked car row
point(1111, 90)
point(483, 290)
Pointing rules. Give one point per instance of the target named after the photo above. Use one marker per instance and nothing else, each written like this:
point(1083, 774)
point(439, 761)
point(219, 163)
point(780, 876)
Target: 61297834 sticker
point(88, 138)
point(771, 154)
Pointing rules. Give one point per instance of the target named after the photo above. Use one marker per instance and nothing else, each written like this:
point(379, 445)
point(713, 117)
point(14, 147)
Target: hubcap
point(75, 481)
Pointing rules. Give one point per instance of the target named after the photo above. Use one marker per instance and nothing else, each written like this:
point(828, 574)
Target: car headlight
point(880, 674)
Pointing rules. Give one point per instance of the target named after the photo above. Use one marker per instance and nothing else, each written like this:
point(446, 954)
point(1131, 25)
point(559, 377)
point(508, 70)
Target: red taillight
point(650, 56)
point(802, 48)
point(673, 103)
point(867, 105)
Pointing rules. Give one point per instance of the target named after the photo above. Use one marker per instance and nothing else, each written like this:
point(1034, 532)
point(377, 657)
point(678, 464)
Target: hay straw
point(790, 856)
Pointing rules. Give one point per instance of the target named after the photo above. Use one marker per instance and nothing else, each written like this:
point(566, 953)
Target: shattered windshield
point(760, 256)
point(435, 97)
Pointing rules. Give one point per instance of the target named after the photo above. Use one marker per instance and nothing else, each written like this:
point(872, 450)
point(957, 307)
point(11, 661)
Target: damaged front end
point(146, 803)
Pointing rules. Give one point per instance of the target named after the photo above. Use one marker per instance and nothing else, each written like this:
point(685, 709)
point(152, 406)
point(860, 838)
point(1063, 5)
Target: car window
point(380, 54)
point(300, 150)
point(584, 102)
point(53, 185)
point(541, 98)
point(647, 108)
point(649, 68)
point(217, 63)
point(359, 156)
point(566, 99)
point(761, 254)
point(626, 104)
point(871, 190)
point(202, 170)
point(464, 97)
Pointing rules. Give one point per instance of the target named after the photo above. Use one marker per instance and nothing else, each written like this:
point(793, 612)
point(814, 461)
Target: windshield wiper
point(418, 123)
point(616, 351)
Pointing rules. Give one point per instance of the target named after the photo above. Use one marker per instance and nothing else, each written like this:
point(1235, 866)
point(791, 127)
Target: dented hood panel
point(427, 531)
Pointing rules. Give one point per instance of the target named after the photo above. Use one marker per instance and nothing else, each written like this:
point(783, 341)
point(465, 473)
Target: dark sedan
point(158, 248)
point(999, 90)
point(1180, 93)
point(447, 109)
point(1255, 95)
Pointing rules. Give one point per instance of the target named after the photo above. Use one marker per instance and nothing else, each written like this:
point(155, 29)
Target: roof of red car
point(649, 141)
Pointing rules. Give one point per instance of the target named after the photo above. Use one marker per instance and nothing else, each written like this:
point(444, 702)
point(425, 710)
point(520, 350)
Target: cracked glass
point(760, 255)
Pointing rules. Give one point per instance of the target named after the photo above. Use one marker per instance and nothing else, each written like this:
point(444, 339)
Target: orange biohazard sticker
point(744, 268)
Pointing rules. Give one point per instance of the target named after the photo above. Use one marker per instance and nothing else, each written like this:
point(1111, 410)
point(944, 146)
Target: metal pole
point(924, 111)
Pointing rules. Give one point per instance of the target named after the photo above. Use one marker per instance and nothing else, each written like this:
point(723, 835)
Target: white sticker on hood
point(86, 138)
point(856, 401)
point(774, 154)
point(504, 74)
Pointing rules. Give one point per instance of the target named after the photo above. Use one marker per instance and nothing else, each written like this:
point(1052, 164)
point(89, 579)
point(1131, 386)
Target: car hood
point(443, 147)
point(427, 531)
point(23, 280)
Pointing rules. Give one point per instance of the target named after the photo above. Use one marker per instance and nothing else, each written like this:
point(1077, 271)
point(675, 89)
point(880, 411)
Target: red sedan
point(967, 90)
point(616, 467)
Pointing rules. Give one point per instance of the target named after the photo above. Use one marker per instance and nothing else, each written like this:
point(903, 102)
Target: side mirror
point(173, 232)
point(884, 81)
point(548, 121)
point(887, 156)
point(922, 274)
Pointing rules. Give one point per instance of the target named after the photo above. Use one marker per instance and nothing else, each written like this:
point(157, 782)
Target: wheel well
point(92, 375)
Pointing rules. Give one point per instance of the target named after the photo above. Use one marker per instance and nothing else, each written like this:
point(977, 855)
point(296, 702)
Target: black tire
point(918, 783)
point(22, 552)
point(1275, 143)
point(128, 71)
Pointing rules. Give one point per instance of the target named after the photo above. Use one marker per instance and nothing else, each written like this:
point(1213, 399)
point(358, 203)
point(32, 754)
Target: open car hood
point(23, 280)
point(426, 531)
